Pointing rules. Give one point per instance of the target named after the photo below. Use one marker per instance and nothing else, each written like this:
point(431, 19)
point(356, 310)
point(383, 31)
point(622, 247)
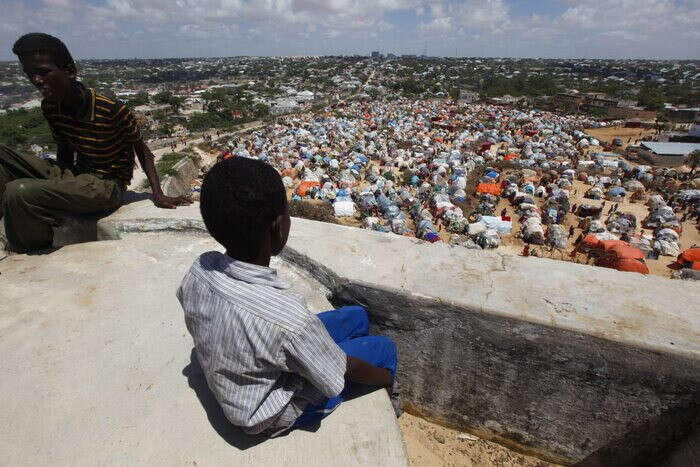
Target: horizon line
point(397, 55)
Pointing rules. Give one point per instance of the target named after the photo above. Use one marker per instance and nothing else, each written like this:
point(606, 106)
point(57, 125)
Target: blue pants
point(349, 328)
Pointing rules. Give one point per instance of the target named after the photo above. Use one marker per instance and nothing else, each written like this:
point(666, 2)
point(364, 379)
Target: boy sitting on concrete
point(96, 138)
point(271, 364)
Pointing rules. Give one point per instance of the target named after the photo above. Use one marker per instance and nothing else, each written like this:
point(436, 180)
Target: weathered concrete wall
point(559, 359)
point(556, 358)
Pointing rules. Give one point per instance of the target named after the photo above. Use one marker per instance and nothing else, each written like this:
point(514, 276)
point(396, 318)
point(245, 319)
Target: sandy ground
point(512, 245)
point(627, 135)
point(429, 444)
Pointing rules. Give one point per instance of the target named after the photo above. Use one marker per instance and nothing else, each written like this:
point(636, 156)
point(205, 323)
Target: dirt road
point(140, 176)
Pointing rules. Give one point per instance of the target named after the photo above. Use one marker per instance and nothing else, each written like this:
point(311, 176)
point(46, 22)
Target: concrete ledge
point(555, 358)
point(97, 368)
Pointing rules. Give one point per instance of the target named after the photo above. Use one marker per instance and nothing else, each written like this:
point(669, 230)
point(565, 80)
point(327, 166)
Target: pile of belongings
point(633, 186)
point(660, 215)
point(556, 237)
point(620, 223)
point(587, 210)
point(644, 243)
point(666, 242)
point(616, 193)
point(531, 230)
point(488, 239)
point(594, 193)
point(487, 204)
point(555, 207)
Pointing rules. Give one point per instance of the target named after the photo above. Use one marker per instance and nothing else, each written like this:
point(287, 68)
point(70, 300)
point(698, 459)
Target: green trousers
point(36, 193)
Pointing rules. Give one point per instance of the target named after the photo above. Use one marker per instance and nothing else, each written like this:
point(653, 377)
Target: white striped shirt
point(264, 355)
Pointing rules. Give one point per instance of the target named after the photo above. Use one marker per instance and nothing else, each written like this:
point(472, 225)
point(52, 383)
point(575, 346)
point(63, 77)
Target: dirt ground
point(428, 444)
point(659, 267)
point(627, 135)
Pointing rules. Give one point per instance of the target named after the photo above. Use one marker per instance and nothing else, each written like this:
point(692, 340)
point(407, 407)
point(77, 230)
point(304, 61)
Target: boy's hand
point(168, 202)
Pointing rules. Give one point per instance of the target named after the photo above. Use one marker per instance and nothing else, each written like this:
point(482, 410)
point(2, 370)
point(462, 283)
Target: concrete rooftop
point(97, 368)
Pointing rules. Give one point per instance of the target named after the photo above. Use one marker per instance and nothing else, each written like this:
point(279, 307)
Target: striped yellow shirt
point(103, 134)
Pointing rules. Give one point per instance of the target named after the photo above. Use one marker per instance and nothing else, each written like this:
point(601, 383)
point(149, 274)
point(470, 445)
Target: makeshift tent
point(590, 242)
point(691, 256)
point(490, 188)
point(586, 210)
point(617, 191)
point(631, 265)
point(610, 244)
point(306, 186)
point(627, 252)
point(615, 251)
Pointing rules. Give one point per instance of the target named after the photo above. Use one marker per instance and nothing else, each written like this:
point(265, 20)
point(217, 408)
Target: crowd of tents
point(431, 170)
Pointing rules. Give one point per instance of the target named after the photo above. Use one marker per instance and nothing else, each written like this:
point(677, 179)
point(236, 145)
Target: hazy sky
point(504, 28)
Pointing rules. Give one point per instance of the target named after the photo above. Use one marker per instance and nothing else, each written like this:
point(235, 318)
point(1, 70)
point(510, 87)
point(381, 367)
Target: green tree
point(167, 97)
point(660, 121)
point(140, 98)
point(650, 98)
point(22, 126)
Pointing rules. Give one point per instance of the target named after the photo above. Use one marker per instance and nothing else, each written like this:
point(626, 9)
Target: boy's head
point(47, 63)
point(244, 206)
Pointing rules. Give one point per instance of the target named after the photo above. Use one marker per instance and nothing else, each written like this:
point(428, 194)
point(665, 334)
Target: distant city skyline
point(662, 29)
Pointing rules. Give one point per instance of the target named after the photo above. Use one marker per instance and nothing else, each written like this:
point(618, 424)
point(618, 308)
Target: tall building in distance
point(376, 55)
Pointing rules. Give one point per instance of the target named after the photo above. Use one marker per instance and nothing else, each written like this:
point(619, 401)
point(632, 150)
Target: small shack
point(667, 154)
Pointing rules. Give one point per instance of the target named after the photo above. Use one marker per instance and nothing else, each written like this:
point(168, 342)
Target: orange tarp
point(632, 265)
point(490, 188)
point(691, 255)
point(510, 157)
point(305, 186)
point(608, 244)
point(627, 252)
point(591, 241)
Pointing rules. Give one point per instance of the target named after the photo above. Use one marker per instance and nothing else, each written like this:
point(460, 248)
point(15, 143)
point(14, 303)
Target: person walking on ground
point(571, 231)
point(96, 138)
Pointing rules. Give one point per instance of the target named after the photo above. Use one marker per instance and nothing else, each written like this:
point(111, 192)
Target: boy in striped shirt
point(96, 138)
point(271, 364)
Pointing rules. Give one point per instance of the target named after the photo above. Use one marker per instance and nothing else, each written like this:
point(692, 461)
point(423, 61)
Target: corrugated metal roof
point(671, 149)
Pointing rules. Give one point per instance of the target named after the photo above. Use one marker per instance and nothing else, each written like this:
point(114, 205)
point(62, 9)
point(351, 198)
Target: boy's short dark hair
point(240, 199)
point(38, 42)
